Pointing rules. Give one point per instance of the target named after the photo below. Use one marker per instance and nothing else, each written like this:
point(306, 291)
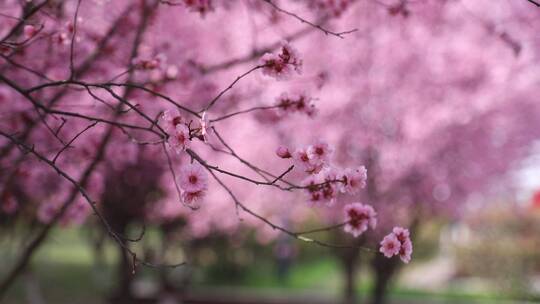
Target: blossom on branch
point(193, 182)
point(354, 180)
point(179, 140)
point(390, 245)
point(296, 103)
point(398, 242)
point(359, 218)
point(282, 65)
point(283, 152)
point(29, 31)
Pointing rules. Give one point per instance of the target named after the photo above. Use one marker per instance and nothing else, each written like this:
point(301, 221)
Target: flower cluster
point(282, 65)
point(322, 187)
point(359, 218)
point(296, 103)
point(314, 158)
point(325, 181)
point(398, 242)
point(193, 182)
point(181, 131)
point(353, 179)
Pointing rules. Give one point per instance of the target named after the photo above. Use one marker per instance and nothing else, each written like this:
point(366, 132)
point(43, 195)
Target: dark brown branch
point(534, 2)
point(213, 101)
point(72, 46)
point(22, 20)
point(244, 112)
point(68, 144)
point(295, 235)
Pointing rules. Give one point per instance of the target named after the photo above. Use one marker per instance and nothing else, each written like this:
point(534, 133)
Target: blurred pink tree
point(143, 111)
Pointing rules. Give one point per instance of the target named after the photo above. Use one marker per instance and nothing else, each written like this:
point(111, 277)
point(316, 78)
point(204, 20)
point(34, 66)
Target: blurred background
point(439, 100)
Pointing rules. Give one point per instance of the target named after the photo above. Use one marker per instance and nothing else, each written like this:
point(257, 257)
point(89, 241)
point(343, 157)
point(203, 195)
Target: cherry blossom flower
point(205, 125)
point(359, 218)
point(353, 180)
point(320, 152)
point(29, 31)
point(390, 245)
point(302, 158)
point(192, 197)
point(401, 233)
point(171, 118)
point(192, 178)
point(313, 189)
point(179, 140)
point(296, 103)
point(61, 38)
point(321, 188)
point(283, 152)
point(405, 251)
point(281, 66)
point(404, 248)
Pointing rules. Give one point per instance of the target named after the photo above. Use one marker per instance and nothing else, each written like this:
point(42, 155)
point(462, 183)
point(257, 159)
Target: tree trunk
point(125, 271)
point(350, 261)
point(125, 275)
point(384, 270)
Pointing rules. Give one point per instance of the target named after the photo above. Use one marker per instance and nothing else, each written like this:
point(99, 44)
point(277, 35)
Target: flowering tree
point(99, 102)
point(142, 111)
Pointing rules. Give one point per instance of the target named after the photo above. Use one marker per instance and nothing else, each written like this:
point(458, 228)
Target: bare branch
point(324, 30)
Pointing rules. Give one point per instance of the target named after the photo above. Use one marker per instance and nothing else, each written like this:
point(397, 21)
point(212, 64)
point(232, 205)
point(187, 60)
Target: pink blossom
point(282, 65)
point(171, 72)
point(404, 248)
point(29, 31)
point(296, 103)
point(322, 188)
point(179, 140)
point(354, 180)
point(303, 159)
point(205, 125)
point(405, 251)
point(390, 245)
point(192, 178)
point(359, 218)
point(320, 152)
point(401, 233)
point(171, 118)
point(61, 38)
point(312, 184)
point(283, 152)
point(192, 197)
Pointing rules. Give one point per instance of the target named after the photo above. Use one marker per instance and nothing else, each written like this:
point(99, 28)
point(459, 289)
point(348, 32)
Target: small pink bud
point(29, 31)
point(283, 152)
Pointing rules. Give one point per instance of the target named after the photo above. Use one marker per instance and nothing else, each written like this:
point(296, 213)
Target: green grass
point(65, 268)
